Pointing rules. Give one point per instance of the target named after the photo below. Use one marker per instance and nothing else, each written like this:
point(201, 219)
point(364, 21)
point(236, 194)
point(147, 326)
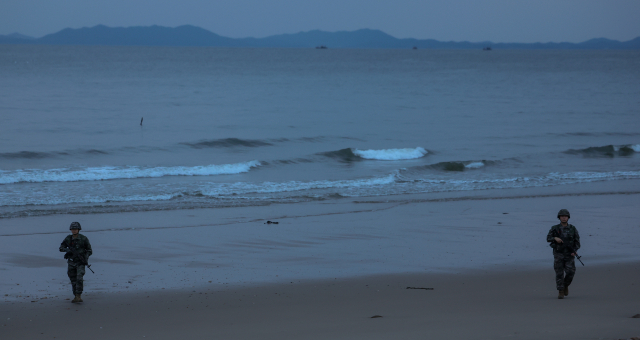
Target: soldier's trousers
point(565, 267)
point(76, 275)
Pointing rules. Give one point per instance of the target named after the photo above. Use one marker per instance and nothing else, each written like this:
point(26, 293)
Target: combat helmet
point(564, 212)
point(75, 225)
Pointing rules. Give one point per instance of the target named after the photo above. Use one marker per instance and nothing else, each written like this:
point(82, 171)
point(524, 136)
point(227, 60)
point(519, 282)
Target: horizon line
point(313, 30)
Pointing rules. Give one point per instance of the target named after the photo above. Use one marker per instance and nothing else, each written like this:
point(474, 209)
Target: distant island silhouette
point(188, 35)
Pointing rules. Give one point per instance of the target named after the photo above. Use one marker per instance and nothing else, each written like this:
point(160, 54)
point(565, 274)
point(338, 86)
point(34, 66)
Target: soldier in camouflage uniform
point(76, 262)
point(564, 253)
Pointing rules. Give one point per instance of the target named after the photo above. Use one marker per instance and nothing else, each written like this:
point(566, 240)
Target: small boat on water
point(488, 48)
point(321, 47)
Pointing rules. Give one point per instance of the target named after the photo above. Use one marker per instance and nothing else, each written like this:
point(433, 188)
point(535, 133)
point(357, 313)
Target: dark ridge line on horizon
point(189, 35)
point(399, 203)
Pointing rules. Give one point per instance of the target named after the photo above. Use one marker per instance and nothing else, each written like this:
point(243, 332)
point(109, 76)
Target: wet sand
point(327, 268)
point(338, 239)
point(514, 303)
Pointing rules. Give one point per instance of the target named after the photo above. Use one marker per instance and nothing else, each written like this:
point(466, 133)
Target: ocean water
point(245, 127)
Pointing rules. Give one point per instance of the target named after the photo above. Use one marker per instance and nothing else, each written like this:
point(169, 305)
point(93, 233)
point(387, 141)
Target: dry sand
point(516, 303)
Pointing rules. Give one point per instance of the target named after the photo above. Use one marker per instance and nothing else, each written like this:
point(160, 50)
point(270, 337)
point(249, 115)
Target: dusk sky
point(455, 20)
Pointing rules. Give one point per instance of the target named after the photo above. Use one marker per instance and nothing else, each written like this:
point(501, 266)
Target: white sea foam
point(218, 190)
point(71, 199)
point(161, 197)
point(106, 173)
point(272, 187)
point(186, 194)
point(550, 179)
point(391, 154)
point(474, 165)
point(634, 147)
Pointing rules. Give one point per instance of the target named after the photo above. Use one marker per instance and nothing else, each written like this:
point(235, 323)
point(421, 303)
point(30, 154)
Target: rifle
point(81, 258)
point(568, 246)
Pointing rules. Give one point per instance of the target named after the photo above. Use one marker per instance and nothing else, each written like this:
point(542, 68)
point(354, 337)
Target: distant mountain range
point(195, 36)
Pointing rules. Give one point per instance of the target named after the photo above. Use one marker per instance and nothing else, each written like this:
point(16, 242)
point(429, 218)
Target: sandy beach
point(326, 269)
point(518, 304)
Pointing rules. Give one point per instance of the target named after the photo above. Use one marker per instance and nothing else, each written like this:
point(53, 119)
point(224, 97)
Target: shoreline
point(520, 303)
point(327, 268)
point(597, 188)
point(393, 199)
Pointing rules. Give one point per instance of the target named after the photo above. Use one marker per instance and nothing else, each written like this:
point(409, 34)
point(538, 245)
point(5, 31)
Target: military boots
point(566, 290)
point(561, 294)
point(78, 298)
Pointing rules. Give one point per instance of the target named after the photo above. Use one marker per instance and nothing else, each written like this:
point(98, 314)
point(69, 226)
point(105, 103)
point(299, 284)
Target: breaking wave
point(606, 151)
point(342, 155)
point(391, 154)
point(459, 166)
point(107, 173)
point(352, 155)
point(452, 166)
point(72, 198)
point(475, 165)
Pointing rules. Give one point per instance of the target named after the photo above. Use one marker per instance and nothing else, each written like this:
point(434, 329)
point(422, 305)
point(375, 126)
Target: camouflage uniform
point(76, 270)
point(563, 262)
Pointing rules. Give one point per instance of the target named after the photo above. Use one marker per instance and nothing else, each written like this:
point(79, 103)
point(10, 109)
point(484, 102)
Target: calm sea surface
point(239, 127)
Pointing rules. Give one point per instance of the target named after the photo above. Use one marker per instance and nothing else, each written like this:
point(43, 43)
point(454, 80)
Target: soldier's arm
point(576, 242)
point(88, 249)
point(550, 237)
point(63, 247)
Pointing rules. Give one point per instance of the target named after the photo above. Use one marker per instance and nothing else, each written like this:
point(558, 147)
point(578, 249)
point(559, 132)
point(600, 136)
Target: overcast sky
point(456, 20)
